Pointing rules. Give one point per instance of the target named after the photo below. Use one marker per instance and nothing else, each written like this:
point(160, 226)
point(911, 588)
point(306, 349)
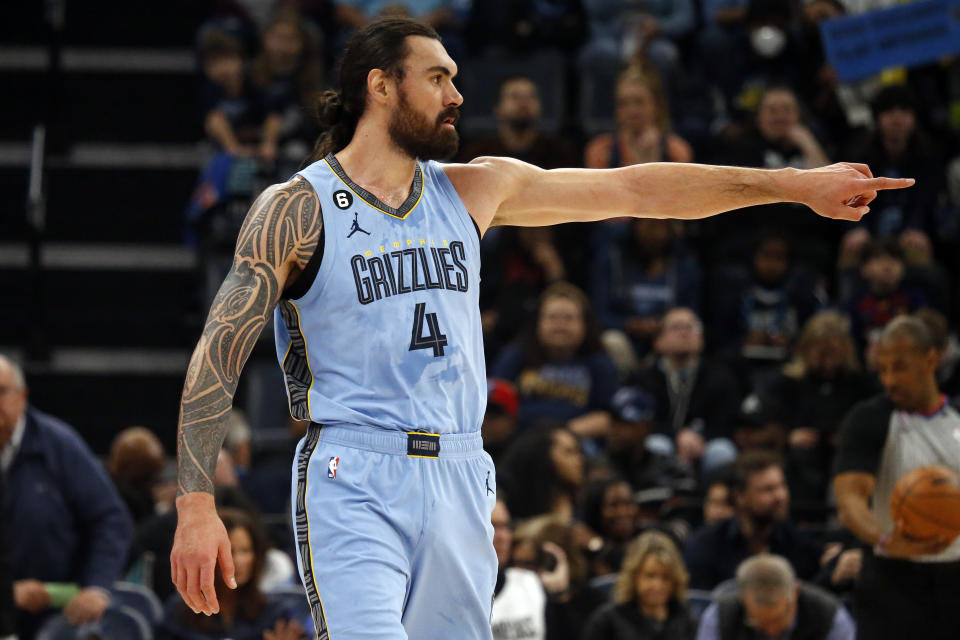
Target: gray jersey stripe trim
point(373, 200)
point(302, 525)
point(296, 368)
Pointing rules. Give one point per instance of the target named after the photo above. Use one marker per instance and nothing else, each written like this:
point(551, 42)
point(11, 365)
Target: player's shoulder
point(872, 413)
point(294, 198)
point(484, 183)
point(295, 185)
point(487, 168)
point(878, 404)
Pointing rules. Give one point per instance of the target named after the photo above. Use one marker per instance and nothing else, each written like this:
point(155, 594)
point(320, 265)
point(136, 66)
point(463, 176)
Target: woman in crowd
point(810, 398)
point(610, 511)
point(246, 613)
point(643, 127)
point(649, 597)
point(553, 548)
point(541, 484)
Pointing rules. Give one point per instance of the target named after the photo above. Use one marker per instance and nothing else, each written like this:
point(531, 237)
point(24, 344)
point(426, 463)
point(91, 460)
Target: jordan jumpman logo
point(356, 226)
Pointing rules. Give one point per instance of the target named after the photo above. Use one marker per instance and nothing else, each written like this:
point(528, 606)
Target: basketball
point(927, 502)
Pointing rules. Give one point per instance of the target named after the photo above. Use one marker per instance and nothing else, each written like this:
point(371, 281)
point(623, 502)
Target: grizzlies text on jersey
point(388, 334)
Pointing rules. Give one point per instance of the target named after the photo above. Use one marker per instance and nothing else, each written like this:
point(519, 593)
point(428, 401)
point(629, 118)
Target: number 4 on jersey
point(434, 339)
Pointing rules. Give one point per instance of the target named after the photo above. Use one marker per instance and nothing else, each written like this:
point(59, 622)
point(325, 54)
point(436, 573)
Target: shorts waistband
point(452, 445)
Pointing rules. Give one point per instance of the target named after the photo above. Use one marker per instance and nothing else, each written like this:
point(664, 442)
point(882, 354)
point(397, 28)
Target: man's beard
point(420, 138)
point(766, 519)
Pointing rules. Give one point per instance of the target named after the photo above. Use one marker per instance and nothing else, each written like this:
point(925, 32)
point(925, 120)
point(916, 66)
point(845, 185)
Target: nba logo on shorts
point(332, 467)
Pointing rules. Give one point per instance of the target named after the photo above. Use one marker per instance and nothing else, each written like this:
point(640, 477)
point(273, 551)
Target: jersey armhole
point(476, 227)
point(306, 278)
point(455, 196)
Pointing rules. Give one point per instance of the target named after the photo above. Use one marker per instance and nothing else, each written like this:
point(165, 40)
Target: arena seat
point(118, 623)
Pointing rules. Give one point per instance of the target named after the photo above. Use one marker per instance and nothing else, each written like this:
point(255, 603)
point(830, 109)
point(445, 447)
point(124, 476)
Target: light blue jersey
point(388, 334)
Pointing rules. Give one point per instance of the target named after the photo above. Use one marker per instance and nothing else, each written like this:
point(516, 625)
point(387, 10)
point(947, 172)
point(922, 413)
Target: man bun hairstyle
point(379, 45)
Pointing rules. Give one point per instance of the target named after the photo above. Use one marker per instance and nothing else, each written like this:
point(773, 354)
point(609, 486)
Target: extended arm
point(276, 241)
point(503, 191)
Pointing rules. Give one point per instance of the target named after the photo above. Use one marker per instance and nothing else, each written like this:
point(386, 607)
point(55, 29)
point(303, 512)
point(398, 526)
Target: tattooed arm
point(276, 241)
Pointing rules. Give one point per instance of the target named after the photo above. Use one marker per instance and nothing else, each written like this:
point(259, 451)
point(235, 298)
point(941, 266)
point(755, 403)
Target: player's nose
point(453, 97)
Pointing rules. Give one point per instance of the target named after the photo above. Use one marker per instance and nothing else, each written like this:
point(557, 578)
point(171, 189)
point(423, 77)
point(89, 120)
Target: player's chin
point(448, 143)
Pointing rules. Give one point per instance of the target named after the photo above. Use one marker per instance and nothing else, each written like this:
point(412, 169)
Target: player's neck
point(932, 402)
point(375, 163)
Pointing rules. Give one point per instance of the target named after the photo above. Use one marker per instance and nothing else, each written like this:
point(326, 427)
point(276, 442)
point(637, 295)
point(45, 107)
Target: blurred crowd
point(664, 398)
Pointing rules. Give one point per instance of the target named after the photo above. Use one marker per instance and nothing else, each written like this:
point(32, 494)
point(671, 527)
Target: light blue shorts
point(394, 545)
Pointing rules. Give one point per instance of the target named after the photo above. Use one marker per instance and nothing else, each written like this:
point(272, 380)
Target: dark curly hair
point(380, 45)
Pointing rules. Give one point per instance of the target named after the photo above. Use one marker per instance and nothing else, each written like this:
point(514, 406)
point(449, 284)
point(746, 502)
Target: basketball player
point(907, 588)
point(379, 337)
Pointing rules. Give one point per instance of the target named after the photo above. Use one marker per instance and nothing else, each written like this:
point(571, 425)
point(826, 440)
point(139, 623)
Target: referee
point(907, 588)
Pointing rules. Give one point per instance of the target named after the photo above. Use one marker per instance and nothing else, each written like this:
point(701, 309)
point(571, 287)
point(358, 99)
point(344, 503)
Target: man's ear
point(379, 85)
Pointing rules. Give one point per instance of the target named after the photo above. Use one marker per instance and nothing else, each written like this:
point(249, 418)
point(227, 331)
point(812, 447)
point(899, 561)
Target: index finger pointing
point(876, 184)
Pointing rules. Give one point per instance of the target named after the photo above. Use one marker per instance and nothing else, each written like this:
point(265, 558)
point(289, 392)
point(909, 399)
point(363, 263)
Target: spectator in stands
point(649, 599)
point(525, 262)
point(817, 81)
point(136, 461)
point(643, 467)
point(555, 549)
point(810, 397)
point(543, 469)
point(724, 45)
point(778, 137)
point(500, 419)
point(760, 524)
point(561, 371)
point(522, 606)
point(696, 397)
point(237, 116)
point(772, 603)
point(289, 72)
point(643, 127)
point(610, 511)
point(758, 312)
point(884, 295)
point(246, 613)
point(64, 519)
point(899, 146)
point(638, 279)
point(518, 112)
point(8, 609)
point(718, 500)
point(622, 31)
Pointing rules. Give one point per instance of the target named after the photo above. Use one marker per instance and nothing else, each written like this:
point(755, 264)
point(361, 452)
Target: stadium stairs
point(105, 326)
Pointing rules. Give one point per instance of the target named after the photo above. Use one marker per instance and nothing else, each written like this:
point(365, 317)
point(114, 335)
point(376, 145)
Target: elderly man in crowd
point(65, 522)
point(771, 604)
